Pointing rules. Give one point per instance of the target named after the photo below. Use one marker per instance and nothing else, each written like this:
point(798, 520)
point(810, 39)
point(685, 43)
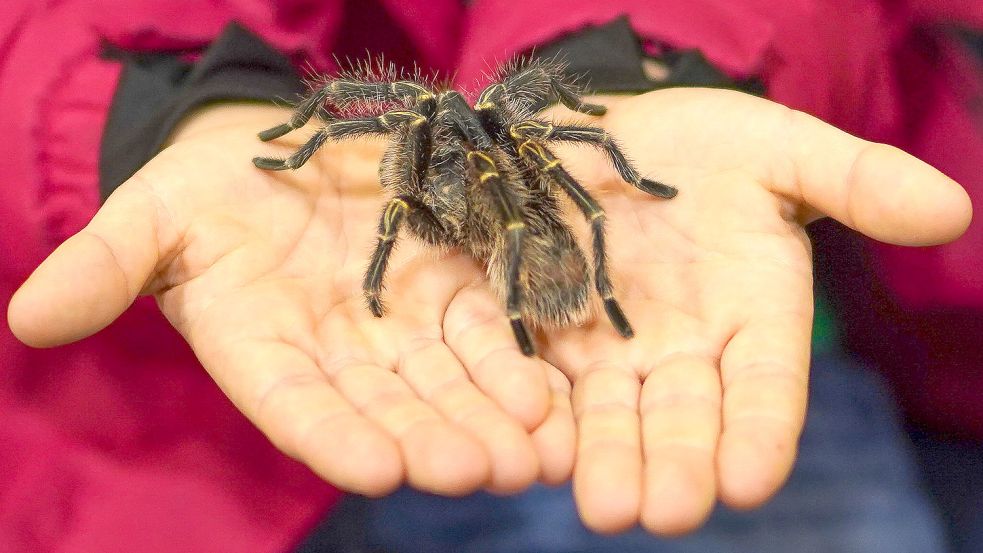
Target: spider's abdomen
point(555, 279)
point(554, 276)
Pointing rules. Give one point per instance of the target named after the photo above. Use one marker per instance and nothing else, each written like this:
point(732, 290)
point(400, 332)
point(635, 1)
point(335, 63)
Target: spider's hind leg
point(458, 117)
point(403, 167)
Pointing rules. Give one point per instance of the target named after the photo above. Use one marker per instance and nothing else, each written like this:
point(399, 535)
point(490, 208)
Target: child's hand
point(261, 273)
point(709, 397)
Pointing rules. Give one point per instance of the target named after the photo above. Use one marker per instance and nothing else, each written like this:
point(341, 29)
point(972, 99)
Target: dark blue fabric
point(854, 490)
point(953, 469)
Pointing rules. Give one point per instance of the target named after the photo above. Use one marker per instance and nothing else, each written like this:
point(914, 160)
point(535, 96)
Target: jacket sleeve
point(156, 91)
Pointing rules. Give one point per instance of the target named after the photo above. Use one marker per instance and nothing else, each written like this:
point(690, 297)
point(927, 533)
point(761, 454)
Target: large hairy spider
point(480, 178)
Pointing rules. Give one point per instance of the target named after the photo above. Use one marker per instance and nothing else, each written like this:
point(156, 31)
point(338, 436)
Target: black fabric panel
point(156, 91)
point(611, 57)
point(975, 42)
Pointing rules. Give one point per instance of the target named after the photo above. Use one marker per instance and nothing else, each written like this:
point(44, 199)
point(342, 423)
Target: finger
point(89, 280)
point(437, 377)
point(477, 331)
point(289, 399)
point(556, 439)
point(764, 375)
point(440, 457)
point(680, 410)
point(876, 189)
point(607, 479)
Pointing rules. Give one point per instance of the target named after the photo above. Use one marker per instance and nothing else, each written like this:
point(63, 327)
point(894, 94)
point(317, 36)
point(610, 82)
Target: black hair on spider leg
point(480, 178)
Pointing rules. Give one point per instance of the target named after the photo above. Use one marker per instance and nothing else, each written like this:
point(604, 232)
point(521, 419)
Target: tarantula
point(480, 178)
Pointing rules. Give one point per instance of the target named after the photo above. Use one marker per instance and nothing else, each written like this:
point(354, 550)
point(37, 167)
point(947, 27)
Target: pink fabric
point(121, 442)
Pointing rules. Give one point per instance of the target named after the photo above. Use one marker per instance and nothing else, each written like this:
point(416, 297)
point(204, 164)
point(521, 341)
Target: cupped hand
point(708, 399)
point(261, 273)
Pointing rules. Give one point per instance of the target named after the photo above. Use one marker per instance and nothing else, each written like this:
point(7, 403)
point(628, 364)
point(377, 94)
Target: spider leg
point(419, 150)
point(339, 129)
point(515, 228)
point(342, 92)
point(532, 85)
point(532, 129)
point(302, 114)
point(572, 100)
point(461, 119)
point(397, 210)
point(546, 162)
point(455, 112)
point(296, 159)
point(404, 168)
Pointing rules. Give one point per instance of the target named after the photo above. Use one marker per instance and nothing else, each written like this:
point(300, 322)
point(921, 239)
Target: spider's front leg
point(339, 129)
point(342, 92)
point(544, 160)
point(572, 100)
point(542, 131)
point(407, 166)
point(534, 84)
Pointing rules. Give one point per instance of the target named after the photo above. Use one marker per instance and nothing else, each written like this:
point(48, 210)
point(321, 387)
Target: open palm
point(261, 273)
point(709, 398)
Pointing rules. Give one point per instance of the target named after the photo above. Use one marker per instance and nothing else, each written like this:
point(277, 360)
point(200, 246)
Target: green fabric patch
point(825, 334)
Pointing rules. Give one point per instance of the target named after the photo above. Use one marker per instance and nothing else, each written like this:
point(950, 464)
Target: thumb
point(89, 280)
point(876, 189)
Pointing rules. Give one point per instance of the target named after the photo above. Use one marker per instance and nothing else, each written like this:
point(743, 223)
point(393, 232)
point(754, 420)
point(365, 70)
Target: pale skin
point(261, 272)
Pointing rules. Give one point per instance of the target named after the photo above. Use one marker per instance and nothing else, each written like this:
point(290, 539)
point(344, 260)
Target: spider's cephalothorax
point(480, 178)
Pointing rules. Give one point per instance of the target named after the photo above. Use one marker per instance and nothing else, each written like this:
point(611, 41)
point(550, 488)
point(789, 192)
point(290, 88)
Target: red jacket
point(122, 443)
